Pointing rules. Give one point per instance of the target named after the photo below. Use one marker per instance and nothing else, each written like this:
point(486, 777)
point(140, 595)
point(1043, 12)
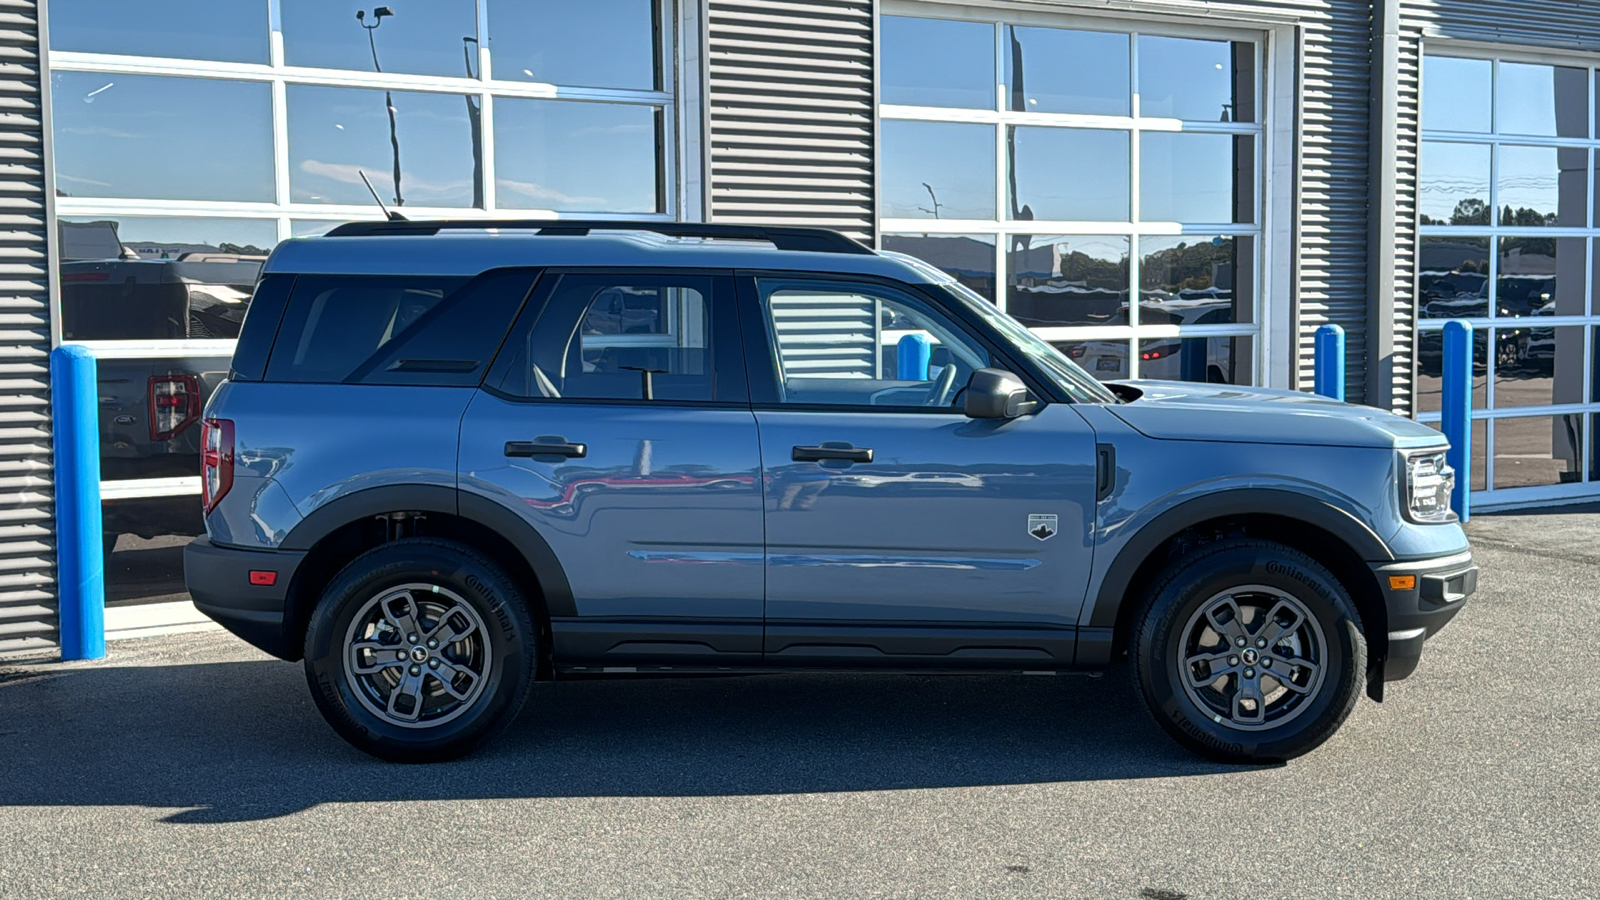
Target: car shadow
point(237, 741)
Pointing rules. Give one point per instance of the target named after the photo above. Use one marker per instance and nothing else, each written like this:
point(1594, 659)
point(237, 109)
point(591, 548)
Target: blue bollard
point(1329, 372)
point(912, 356)
point(1456, 411)
point(80, 555)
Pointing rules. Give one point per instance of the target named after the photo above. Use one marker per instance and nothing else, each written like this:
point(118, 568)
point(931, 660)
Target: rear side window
point(407, 330)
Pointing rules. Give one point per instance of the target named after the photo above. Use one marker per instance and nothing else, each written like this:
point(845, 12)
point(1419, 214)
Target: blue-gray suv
point(454, 458)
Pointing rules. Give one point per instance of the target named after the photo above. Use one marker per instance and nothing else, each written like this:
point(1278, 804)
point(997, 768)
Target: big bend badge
point(1042, 525)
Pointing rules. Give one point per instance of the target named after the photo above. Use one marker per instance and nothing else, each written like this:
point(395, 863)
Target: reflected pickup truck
point(455, 457)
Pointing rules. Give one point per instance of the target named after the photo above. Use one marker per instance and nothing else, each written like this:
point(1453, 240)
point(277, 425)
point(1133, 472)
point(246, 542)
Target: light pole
point(378, 15)
point(474, 122)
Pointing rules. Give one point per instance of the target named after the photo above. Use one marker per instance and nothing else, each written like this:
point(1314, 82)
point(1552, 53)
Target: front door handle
point(547, 447)
point(832, 450)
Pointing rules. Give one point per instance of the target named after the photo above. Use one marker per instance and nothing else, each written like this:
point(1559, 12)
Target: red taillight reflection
point(216, 460)
point(174, 405)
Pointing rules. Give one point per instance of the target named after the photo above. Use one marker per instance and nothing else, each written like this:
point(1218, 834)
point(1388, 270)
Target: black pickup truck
point(151, 400)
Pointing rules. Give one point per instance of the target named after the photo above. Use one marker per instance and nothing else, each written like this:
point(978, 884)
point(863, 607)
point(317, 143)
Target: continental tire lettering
point(1206, 737)
point(1278, 568)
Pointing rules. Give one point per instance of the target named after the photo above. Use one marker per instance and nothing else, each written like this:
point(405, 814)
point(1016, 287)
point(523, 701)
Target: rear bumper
point(1422, 597)
point(219, 581)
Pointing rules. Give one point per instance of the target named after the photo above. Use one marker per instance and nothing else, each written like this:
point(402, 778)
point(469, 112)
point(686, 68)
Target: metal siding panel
point(27, 522)
point(790, 109)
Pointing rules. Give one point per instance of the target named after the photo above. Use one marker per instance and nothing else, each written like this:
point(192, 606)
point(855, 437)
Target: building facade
point(1163, 189)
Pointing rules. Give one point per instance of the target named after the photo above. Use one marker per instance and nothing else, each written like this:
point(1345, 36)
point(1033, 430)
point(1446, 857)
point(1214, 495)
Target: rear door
point(616, 421)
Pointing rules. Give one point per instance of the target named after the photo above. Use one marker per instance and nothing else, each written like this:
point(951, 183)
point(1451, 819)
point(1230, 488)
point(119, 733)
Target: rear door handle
point(546, 447)
point(832, 450)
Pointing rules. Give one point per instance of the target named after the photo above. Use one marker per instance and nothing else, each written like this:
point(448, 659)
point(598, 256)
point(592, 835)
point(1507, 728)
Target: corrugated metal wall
point(27, 523)
point(790, 113)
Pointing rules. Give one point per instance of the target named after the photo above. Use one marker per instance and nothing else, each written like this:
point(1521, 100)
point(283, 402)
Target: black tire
point(1258, 576)
point(495, 671)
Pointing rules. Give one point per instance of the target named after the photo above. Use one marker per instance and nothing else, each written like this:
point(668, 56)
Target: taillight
point(216, 460)
point(174, 404)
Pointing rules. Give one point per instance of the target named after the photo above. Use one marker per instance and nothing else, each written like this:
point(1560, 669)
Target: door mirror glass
point(997, 394)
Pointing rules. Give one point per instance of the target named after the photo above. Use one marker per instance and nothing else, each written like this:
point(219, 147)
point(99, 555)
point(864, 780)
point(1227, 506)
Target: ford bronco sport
point(452, 458)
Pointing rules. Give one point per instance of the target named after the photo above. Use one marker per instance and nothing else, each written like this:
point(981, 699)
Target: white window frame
point(1271, 326)
point(1585, 488)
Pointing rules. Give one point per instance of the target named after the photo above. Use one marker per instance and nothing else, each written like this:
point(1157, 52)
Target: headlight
point(1429, 483)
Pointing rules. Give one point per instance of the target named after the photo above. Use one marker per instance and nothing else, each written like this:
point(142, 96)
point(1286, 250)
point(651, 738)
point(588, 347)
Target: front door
point(898, 531)
point(616, 422)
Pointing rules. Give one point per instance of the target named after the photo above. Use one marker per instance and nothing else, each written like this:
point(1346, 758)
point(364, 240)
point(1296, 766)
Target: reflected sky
point(1185, 78)
point(1454, 184)
point(423, 37)
point(149, 236)
point(233, 31)
point(1186, 177)
point(936, 62)
point(1456, 94)
point(596, 43)
point(161, 138)
point(337, 133)
point(1544, 100)
point(938, 170)
point(565, 155)
point(1052, 70)
point(1071, 174)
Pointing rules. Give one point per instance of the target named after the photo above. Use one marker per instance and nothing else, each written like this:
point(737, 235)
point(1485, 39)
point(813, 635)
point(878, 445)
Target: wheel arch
point(342, 529)
point(1328, 534)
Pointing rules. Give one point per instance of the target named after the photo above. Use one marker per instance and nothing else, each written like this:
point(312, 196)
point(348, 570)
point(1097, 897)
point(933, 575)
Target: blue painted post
point(1456, 411)
point(80, 556)
point(1330, 362)
point(912, 356)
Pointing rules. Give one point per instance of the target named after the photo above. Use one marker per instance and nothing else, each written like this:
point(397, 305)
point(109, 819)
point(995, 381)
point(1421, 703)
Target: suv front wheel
point(1249, 651)
point(420, 650)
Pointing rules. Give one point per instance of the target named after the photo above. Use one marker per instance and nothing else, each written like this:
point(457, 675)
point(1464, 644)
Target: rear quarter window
point(400, 330)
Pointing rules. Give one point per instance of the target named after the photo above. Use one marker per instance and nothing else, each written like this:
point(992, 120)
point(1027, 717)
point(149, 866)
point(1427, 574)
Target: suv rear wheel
point(420, 650)
point(1249, 651)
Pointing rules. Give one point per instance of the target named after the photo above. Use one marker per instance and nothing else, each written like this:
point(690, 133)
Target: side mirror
point(997, 394)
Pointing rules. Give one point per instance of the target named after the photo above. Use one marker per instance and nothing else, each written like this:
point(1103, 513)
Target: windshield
point(1079, 385)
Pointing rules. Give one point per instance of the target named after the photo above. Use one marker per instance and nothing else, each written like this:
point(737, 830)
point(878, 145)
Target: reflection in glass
point(1211, 360)
point(335, 134)
point(155, 278)
point(936, 62)
point(1480, 451)
point(313, 227)
point(1543, 186)
point(570, 156)
point(1201, 80)
point(149, 570)
point(433, 38)
point(1530, 279)
point(1052, 70)
point(1537, 366)
point(186, 29)
point(1105, 360)
point(1536, 451)
point(1543, 100)
point(1067, 279)
point(1190, 280)
point(1457, 94)
point(937, 170)
point(1454, 184)
point(1452, 277)
point(596, 43)
point(1069, 174)
point(969, 258)
point(1188, 177)
point(159, 138)
point(1430, 368)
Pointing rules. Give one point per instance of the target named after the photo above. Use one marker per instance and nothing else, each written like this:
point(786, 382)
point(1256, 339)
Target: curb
point(156, 620)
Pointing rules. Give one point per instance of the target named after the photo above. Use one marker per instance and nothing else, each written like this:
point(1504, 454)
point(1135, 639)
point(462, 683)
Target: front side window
point(1108, 195)
point(867, 346)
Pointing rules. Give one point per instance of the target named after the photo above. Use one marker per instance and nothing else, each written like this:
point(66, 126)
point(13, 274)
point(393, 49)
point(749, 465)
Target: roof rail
point(818, 240)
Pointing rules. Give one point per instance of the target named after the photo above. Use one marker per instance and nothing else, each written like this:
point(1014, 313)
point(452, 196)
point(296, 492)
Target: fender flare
point(374, 501)
point(1113, 588)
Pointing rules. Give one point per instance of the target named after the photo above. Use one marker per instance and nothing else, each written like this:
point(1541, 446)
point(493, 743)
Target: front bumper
point(219, 580)
point(1422, 597)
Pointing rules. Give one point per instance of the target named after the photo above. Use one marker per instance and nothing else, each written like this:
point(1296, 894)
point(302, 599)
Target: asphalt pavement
point(192, 766)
